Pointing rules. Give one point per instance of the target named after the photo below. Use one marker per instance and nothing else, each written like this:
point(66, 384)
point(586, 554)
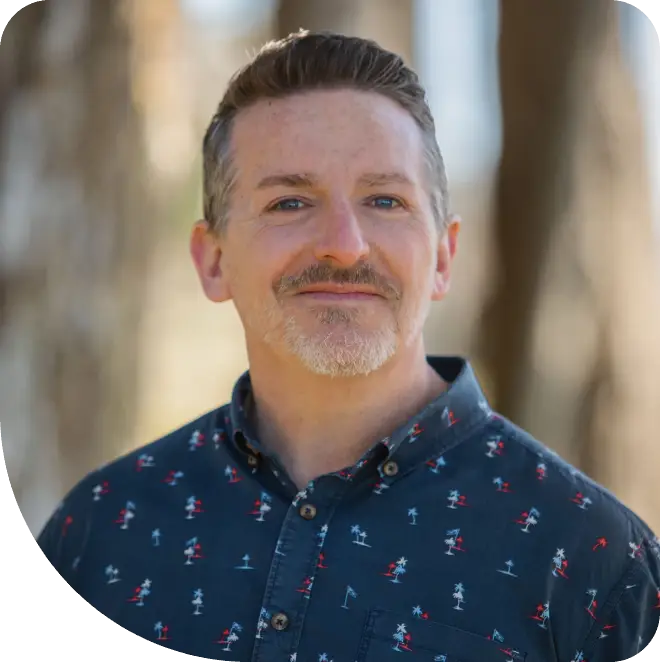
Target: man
point(356, 499)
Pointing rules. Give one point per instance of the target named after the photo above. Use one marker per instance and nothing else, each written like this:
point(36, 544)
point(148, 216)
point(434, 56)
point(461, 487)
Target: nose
point(341, 238)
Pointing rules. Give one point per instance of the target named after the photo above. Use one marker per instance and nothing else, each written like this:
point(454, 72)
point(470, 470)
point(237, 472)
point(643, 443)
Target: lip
point(339, 292)
point(339, 296)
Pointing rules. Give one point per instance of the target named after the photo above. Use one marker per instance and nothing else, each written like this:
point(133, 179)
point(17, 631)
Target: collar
point(443, 423)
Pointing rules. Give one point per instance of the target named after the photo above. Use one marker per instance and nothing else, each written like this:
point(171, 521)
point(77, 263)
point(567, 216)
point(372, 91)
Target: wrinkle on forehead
point(327, 130)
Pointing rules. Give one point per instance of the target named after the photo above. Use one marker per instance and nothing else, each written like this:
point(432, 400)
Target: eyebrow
point(290, 180)
point(306, 180)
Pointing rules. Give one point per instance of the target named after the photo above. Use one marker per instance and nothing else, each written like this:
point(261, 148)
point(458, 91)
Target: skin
point(337, 369)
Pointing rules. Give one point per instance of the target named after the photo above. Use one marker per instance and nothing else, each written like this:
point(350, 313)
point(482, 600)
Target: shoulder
point(608, 552)
point(65, 535)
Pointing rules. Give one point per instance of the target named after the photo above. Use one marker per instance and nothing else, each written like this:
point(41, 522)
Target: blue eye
point(385, 202)
point(288, 204)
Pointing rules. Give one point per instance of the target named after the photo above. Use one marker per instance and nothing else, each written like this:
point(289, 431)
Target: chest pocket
point(387, 635)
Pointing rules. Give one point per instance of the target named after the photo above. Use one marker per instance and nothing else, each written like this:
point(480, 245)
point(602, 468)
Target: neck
point(316, 424)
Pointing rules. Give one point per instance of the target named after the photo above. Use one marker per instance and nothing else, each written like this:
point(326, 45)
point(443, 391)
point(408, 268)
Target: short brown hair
point(306, 61)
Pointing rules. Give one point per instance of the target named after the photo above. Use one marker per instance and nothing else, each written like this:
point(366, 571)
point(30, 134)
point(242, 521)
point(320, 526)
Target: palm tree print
point(412, 513)
point(193, 505)
point(454, 537)
point(217, 438)
point(232, 474)
point(448, 417)
point(399, 569)
point(229, 636)
point(417, 611)
point(458, 596)
point(323, 657)
point(579, 657)
point(560, 564)
point(262, 623)
point(529, 519)
point(144, 461)
point(509, 564)
point(198, 601)
point(161, 630)
point(196, 440)
point(192, 551)
point(635, 550)
point(246, 564)
point(380, 486)
point(495, 446)
point(306, 587)
point(583, 501)
point(542, 615)
point(600, 543)
point(141, 592)
point(502, 485)
point(322, 534)
point(440, 658)
point(413, 433)
point(126, 514)
point(173, 477)
point(593, 604)
point(155, 537)
point(262, 506)
point(401, 638)
point(350, 593)
point(437, 464)
point(321, 563)
point(541, 470)
point(496, 636)
point(360, 536)
point(278, 551)
point(602, 634)
point(112, 574)
point(99, 490)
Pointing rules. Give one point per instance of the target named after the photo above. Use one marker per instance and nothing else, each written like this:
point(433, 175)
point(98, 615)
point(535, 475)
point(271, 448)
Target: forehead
point(331, 133)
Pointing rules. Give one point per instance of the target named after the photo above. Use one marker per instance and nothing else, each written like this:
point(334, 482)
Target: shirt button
point(390, 468)
point(308, 511)
point(252, 460)
point(280, 621)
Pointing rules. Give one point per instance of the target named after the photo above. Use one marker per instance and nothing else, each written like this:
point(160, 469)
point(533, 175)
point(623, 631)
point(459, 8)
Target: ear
point(447, 244)
point(206, 253)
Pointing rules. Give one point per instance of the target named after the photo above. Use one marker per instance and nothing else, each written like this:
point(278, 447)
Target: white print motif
point(360, 536)
point(459, 596)
point(126, 514)
point(196, 441)
point(99, 490)
point(198, 601)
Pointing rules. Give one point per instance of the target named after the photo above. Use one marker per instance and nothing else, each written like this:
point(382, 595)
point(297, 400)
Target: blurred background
point(548, 114)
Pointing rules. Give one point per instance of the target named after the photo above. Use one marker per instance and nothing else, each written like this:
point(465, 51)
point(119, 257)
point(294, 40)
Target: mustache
point(363, 274)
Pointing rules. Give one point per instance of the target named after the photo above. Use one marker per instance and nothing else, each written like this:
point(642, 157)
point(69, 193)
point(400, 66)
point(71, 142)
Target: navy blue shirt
point(459, 538)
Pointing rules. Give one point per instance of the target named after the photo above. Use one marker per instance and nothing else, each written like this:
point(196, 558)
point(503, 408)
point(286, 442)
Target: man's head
point(322, 171)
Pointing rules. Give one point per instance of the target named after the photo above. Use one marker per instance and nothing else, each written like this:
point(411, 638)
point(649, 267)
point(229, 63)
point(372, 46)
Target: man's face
point(331, 253)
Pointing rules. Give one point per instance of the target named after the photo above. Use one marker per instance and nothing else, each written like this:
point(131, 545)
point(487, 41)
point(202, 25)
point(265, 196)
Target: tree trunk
point(569, 336)
point(389, 22)
point(74, 237)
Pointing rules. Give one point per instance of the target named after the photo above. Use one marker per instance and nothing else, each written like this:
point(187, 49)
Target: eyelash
point(399, 204)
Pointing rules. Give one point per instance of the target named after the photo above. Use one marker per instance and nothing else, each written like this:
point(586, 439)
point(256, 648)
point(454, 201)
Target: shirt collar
point(441, 424)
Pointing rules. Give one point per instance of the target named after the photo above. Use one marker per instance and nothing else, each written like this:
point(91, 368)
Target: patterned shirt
point(459, 538)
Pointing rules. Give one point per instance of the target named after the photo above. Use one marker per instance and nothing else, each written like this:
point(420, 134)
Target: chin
point(343, 353)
